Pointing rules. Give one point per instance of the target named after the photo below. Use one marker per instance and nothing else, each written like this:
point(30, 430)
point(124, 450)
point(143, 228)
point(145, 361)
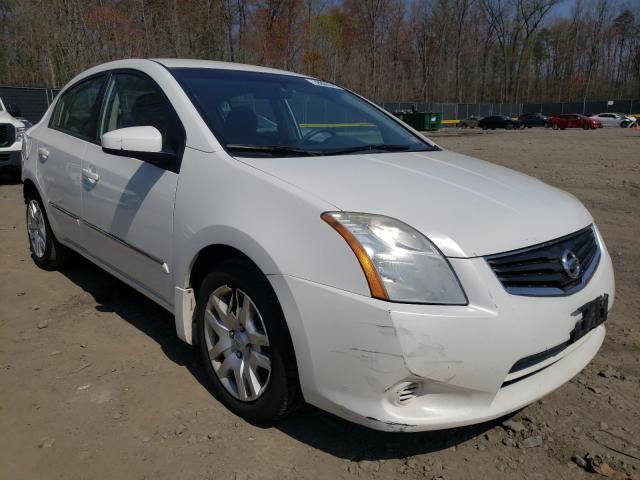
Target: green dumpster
point(422, 121)
point(433, 121)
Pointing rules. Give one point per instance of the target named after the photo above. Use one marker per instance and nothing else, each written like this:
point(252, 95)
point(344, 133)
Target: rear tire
point(46, 252)
point(237, 365)
point(555, 126)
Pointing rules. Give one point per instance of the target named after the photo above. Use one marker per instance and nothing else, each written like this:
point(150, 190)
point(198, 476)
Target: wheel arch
point(29, 187)
point(208, 257)
point(186, 291)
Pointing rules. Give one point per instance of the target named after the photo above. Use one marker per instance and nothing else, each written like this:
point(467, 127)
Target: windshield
point(264, 114)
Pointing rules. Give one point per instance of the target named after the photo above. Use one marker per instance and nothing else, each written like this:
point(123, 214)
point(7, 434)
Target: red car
point(573, 120)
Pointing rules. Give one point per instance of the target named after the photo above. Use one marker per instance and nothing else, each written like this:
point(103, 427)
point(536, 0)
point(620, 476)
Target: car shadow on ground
point(312, 426)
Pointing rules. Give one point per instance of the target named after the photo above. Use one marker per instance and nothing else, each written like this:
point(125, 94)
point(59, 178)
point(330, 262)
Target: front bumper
point(355, 354)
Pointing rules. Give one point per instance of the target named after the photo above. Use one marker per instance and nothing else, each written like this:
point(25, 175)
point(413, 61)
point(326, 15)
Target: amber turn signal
point(370, 272)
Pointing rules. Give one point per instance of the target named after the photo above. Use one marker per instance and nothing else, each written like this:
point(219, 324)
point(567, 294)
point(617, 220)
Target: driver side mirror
point(143, 143)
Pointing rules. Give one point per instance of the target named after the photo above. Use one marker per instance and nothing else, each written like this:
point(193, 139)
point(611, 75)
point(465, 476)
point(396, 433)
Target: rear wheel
point(244, 343)
point(555, 126)
point(46, 251)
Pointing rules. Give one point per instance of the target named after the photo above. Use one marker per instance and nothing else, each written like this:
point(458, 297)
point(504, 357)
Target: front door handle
point(43, 153)
point(90, 175)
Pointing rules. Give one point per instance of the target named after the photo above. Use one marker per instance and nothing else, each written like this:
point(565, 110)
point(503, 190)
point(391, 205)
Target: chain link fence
point(33, 102)
point(460, 111)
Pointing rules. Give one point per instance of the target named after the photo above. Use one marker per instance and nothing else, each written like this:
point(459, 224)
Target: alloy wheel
point(237, 343)
point(36, 229)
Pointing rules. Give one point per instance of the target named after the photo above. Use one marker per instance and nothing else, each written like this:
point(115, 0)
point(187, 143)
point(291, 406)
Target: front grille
point(7, 134)
point(539, 270)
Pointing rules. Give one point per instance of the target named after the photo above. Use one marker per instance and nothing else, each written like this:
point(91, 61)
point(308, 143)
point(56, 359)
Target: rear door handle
point(90, 175)
point(43, 153)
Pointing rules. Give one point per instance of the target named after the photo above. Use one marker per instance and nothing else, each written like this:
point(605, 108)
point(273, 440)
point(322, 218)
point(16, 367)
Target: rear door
point(60, 147)
point(607, 119)
point(127, 203)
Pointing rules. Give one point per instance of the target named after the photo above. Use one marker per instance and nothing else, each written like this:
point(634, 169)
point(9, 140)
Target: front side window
point(264, 114)
point(77, 109)
point(135, 100)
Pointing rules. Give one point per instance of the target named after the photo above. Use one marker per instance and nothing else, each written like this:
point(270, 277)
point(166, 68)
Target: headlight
point(20, 133)
point(399, 263)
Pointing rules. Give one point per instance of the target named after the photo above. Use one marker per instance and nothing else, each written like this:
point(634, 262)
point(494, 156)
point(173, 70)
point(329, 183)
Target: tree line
point(502, 51)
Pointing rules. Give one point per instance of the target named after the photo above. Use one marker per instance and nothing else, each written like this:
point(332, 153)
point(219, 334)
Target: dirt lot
point(94, 383)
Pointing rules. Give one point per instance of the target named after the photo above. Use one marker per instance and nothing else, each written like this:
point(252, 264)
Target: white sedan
point(314, 248)
point(611, 119)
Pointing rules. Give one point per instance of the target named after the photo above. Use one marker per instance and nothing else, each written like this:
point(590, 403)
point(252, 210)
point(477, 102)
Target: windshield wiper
point(385, 147)
point(273, 150)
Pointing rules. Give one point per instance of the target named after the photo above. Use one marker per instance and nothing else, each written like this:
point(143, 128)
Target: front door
point(128, 203)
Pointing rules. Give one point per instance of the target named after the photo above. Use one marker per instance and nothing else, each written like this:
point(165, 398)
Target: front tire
point(244, 343)
point(586, 126)
point(46, 251)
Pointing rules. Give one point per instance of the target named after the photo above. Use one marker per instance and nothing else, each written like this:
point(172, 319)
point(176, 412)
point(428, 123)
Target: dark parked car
point(573, 120)
point(499, 121)
point(533, 120)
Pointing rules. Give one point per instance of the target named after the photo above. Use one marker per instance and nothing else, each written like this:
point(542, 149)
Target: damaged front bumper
point(399, 367)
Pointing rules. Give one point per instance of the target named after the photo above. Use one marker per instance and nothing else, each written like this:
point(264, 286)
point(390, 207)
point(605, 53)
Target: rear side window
point(77, 110)
point(135, 100)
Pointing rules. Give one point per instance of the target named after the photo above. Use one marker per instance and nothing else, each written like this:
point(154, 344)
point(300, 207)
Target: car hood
point(467, 207)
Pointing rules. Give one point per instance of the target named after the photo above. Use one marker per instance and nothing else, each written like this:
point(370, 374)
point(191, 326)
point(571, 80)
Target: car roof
point(176, 63)
point(191, 63)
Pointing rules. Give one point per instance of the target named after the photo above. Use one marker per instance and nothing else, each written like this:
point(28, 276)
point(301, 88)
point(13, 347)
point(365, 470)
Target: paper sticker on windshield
point(320, 83)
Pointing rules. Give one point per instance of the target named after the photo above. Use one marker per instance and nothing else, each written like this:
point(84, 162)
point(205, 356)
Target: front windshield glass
point(265, 114)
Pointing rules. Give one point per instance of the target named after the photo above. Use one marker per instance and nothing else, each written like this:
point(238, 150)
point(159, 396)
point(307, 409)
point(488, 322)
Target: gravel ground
point(94, 383)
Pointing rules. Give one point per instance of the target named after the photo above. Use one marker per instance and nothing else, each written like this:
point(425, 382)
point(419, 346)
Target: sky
point(563, 9)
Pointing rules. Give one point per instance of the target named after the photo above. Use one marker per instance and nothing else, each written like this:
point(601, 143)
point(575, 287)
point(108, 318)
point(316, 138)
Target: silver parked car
point(613, 119)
